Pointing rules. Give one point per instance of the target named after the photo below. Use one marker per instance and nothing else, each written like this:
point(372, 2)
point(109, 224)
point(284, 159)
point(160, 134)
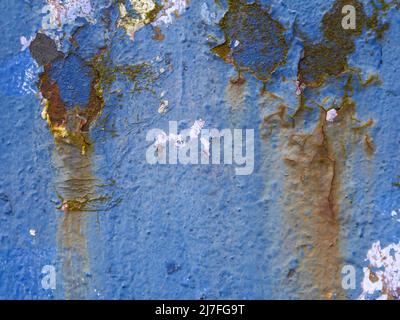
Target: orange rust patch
point(158, 35)
point(51, 92)
point(71, 125)
point(96, 102)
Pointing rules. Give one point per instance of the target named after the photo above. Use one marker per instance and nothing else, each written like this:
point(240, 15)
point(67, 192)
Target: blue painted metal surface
point(197, 231)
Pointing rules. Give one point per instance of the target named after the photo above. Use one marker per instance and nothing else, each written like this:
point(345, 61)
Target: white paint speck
point(331, 115)
point(32, 232)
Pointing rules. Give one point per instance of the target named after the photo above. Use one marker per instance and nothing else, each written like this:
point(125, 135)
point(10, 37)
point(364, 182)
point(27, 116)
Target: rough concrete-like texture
point(83, 82)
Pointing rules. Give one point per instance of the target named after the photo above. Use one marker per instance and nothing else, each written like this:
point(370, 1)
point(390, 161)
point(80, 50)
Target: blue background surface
point(181, 232)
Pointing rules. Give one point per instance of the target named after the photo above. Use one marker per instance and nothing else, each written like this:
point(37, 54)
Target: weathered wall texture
point(83, 82)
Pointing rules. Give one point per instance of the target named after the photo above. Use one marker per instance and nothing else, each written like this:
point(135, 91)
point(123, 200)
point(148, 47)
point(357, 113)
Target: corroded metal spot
point(254, 41)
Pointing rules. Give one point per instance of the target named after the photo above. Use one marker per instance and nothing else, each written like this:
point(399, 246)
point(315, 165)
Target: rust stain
point(313, 187)
point(75, 184)
point(316, 161)
point(56, 109)
point(158, 35)
point(369, 144)
point(75, 262)
point(280, 117)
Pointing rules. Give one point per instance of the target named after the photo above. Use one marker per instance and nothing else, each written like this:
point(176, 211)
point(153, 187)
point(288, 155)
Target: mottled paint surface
point(81, 84)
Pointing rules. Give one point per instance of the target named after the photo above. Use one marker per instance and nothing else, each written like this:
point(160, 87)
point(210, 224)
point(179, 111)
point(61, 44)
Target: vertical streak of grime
point(74, 181)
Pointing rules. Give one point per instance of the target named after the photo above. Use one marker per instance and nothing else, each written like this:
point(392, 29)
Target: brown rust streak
point(235, 95)
point(74, 180)
point(316, 162)
point(75, 183)
point(312, 190)
point(75, 264)
point(235, 92)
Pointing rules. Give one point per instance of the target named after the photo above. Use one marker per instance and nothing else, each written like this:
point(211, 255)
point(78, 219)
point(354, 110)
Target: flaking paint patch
point(382, 276)
point(171, 9)
point(254, 41)
point(147, 12)
point(329, 57)
point(142, 16)
point(58, 13)
point(178, 141)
